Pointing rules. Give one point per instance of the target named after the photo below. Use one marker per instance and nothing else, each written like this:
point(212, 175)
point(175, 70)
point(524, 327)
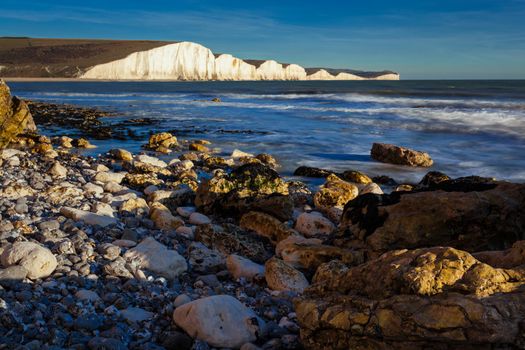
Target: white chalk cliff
point(191, 61)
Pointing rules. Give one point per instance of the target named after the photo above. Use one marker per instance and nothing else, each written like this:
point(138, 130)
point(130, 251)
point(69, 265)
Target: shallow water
point(468, 127)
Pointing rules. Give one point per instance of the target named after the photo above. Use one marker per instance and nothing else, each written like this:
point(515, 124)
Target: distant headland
point(22, 57)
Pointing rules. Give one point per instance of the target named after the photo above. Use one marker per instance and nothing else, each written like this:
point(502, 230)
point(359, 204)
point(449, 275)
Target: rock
point(425, 298)
point(388, 153)
point(87, 295)
point(12, 274)
point(239, 267)
point(281, 276)
point(162, 140)
point(236, 154)
point(15, 116)
point(268, 160)
point(186, 232)
point(267, 226)
point(88, 217)
point(154, 256)
point(103, 209)
point(110, 251)
point(356, 177)
point(249, 187)
point(309, 254)
point(203, 259)
point(307, 171)
point(121, 154)
point(230, 239)
point(485, 216)
point(509, 258)
point(371, 188)
point(101, 343)
point(143, 158)
point(334, 193)
point(198, 147)
point(91, 188)
point(83, 143)
point(89, 322)
point(181, 300)
point(108, 176)
point(221, 321)
point(65, 142)
point(199, 219)
point(313, 224)
point(135, 206)
point(58, 170)
point(37, 260)
point(135, 314)
point(185, 212)
point(163, 218)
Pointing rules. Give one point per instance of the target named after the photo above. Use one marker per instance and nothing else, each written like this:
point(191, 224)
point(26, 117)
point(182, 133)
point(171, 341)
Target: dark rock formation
point(475, 216)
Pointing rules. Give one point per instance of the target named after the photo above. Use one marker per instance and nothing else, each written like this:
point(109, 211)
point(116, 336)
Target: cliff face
point(191, 61)
point(150, 60)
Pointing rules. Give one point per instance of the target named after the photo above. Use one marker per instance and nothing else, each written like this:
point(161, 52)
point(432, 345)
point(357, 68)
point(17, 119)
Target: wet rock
point(388, 153)
point(156, 257)
point(334, 193)
point(222, 321)
point(198, 147)
point(241, 267)
point(37, 260)
point(267, 226)
point(249, 187)
point(477, 220)
point(82, 143)
point(121, 154)
point(163, 140)
point(356, 177)
point(306, 171)
point(313, 224)
point(281, 276)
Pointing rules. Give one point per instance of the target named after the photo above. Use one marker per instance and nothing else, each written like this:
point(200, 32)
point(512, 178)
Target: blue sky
point(420, 39)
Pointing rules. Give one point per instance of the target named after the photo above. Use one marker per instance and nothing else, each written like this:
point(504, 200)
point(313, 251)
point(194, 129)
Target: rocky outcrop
point(437, 298)
point(251, 187)
point(15, 116)
point(387, 153)
point(472, 216)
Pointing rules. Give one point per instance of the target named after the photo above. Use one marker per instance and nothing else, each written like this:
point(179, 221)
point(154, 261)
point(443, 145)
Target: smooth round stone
point(199, 219)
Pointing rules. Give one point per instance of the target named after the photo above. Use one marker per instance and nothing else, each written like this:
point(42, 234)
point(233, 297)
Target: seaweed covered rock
point(469, 214)
point(388, 153)
point(15, 117)
point(431, 298)
point(249, 187)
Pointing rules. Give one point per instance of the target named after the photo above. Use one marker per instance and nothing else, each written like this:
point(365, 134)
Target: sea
point(468, 127)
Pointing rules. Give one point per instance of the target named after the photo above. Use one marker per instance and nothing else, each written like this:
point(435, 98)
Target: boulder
point(121, 154)
point(15, 117)
point(334, 193)
point(392, 154)
point(313, 224)
point(267, 226)
point(162, 141)
point(249, 187)
point(221, 320)
point(156, 257)
point(281, 276)
point(438, 298)
point(461, 214)
point(356, 177)
point(37, 260)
